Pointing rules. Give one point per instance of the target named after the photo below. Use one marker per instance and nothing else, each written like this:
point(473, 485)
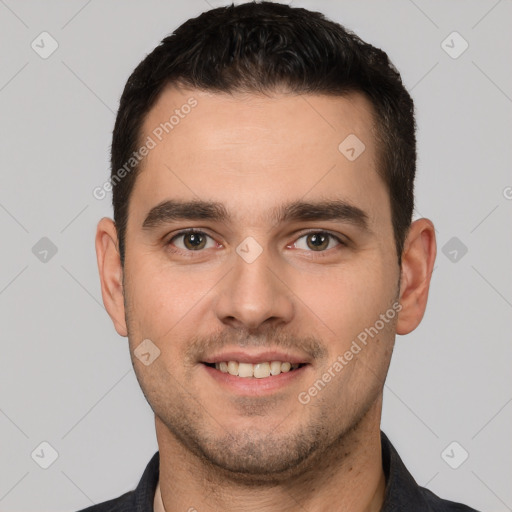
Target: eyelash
point(189, 253)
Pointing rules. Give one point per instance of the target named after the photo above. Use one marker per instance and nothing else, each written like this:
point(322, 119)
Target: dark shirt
point(402, 492)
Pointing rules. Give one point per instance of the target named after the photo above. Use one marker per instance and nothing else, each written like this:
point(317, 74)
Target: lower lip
point(254, 386)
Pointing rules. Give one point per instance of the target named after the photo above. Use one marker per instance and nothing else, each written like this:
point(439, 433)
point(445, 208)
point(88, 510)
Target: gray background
point(66, 376)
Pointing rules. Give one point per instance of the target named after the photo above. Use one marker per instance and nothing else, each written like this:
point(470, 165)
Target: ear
point(418, 259)
point(111, 273)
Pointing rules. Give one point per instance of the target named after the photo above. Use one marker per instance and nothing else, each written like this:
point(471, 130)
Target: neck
point(348, 473)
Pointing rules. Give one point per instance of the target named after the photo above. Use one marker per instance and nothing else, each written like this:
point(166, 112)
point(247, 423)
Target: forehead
point(254, 152)
point(221, 120)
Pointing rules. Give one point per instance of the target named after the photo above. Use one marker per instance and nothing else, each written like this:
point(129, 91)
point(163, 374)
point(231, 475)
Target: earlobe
point(418, 259)
point(111, 273)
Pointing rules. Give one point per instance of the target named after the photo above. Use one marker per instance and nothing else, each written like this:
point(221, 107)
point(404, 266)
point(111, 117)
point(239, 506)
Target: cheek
point(154, 299)
point(165, 300)
point(348, 299)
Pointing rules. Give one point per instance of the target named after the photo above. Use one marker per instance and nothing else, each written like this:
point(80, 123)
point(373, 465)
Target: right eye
point(192, 240)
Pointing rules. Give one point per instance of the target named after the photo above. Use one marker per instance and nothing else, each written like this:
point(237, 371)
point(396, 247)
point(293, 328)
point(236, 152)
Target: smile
point(258, 370)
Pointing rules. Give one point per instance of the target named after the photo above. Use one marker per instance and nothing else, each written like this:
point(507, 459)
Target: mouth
point(260, 370)
point(257, 378)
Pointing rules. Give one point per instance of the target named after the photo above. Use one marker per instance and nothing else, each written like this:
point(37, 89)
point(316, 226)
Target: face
point(287, 255)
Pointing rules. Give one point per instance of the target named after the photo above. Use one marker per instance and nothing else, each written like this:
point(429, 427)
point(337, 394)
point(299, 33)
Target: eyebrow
point(328, 210)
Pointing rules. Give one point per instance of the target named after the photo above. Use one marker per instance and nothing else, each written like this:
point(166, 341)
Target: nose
point(254, 295)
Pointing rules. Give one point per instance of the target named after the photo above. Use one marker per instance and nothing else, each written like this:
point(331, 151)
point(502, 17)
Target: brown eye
point(194, 241)
point(191, 241)
point(318, 241)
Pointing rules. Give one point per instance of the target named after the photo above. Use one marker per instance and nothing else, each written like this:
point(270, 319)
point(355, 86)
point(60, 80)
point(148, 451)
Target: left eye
point(318, 241)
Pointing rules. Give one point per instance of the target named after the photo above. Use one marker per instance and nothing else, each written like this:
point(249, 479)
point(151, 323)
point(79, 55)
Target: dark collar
point(402, 491)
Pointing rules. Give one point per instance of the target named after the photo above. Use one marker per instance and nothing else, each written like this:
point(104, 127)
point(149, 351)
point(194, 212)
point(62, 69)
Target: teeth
point(233, 368)
point(245, 370)
point(259, 370)
point(275, 367)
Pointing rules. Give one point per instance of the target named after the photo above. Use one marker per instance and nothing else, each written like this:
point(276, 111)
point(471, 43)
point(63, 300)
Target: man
point(262, 261)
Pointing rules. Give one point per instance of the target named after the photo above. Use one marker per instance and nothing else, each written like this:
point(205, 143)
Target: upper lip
point(253, 358)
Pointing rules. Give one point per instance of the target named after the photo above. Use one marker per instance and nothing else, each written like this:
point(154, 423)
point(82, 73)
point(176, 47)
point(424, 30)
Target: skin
point(220, 450)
